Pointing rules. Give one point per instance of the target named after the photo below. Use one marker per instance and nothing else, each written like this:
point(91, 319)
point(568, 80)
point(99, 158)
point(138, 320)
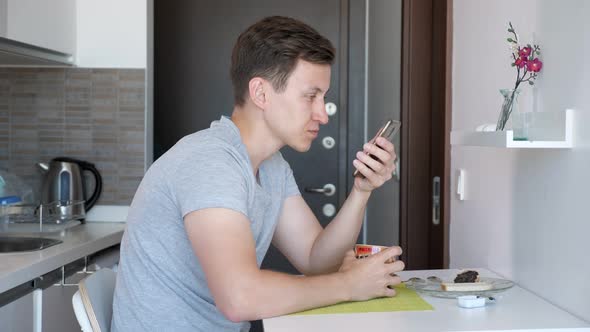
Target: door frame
point(426, 118)
point(426, 123)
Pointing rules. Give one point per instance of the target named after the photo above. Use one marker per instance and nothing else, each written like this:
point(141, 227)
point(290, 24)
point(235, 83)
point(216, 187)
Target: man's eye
point(311, 97)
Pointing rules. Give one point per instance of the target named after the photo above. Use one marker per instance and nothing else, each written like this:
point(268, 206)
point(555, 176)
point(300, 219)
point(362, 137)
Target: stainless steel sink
point(18, 243)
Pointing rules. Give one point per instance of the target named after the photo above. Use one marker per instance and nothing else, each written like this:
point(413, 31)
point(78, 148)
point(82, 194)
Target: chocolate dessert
point(467, 276)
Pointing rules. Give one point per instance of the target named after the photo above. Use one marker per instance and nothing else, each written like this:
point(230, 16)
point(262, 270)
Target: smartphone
point(388, 130)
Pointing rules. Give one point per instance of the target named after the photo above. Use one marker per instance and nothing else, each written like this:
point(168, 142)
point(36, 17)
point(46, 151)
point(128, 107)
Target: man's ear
point(256, 90)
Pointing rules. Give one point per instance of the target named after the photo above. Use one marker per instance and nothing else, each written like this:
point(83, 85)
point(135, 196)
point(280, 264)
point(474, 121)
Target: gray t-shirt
point(160, 283)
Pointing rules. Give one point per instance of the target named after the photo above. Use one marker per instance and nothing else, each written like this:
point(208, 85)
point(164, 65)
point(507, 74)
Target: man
point(205, 213)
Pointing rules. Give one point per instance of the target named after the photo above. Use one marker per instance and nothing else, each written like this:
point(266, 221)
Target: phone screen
point(388, 130)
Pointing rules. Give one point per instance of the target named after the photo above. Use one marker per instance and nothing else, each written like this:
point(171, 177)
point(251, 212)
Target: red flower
point(525, 52)
point(534, 66)
point(521, 62)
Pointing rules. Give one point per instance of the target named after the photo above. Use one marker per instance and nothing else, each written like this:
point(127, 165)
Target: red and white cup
point(366, 250)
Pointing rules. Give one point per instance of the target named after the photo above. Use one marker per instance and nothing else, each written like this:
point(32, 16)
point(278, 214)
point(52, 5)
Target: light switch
point(461, 184)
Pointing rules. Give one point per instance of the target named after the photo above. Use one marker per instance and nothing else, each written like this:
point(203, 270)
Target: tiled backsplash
point(95, 115)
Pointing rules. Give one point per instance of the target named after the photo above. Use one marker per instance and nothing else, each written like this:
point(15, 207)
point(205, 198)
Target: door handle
point(436, 200)
point(328, 190)
point(396, 170)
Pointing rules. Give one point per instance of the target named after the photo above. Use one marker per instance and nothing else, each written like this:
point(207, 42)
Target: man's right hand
point(370, 277)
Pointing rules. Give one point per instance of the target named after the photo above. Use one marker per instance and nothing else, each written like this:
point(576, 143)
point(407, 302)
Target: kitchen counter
point(516, 308)
point(78, 242)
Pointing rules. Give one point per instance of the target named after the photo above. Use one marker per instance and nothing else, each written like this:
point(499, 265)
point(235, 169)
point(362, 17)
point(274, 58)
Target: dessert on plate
point(466, 281)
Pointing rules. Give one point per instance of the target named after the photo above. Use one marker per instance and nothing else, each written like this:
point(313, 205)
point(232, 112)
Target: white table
point(515, 309)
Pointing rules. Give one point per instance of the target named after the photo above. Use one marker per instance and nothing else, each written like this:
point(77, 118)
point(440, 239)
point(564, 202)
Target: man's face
point(295, 114)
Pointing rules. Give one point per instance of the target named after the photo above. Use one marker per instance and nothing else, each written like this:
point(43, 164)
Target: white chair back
point(93, 302)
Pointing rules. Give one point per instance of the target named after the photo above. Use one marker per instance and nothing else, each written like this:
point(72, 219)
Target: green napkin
point(405, 300)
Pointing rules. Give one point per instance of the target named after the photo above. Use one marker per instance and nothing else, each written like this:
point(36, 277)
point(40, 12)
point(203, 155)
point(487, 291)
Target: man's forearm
point(340, 235)
point(268, 294)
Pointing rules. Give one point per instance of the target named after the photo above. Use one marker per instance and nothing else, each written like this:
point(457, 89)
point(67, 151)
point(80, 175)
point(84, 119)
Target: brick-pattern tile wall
point(95, 115)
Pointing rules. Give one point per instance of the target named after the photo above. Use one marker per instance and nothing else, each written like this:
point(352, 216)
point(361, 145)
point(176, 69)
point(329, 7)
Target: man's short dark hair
point(270, 49)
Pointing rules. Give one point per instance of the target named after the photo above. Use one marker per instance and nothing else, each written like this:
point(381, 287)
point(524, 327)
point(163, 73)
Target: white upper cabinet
point(3, 17)
point(46, 24)
point(84, 33)
point(111, 33)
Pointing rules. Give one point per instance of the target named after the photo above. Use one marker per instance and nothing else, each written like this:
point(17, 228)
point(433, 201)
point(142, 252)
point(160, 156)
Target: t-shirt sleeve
point(291, 188)
point(212, 179)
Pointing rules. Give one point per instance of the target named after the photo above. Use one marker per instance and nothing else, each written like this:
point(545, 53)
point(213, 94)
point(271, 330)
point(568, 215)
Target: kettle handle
point(86, 166)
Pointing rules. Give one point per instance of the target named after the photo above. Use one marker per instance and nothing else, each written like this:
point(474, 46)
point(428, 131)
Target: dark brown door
point(426, 110)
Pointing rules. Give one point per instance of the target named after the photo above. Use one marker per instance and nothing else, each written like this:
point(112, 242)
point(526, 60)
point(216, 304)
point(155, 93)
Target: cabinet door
point(58, 313)
point(47, 24)
point(17, 316)
point(112, 34)
point(3, 17)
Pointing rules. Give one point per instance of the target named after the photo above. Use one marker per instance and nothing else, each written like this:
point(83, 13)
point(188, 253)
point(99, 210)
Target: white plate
point(434, 289)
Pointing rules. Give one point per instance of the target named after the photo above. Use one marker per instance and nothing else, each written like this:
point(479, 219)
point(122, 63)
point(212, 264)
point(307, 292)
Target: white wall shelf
point(549, 130)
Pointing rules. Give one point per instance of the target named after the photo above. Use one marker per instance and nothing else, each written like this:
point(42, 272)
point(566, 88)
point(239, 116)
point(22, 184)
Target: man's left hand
point(377, 170)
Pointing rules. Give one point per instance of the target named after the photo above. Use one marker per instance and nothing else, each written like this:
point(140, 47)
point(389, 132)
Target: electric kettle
point(63, 183)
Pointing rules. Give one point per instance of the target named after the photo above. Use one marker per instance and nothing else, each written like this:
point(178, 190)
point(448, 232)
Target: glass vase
point(521, 122)
point(509, 106)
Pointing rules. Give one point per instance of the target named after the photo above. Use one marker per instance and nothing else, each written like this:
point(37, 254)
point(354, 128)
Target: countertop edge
point(72, 252)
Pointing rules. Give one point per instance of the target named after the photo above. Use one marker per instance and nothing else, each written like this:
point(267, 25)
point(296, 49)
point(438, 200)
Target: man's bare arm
point(224, 245)
point(311, 249)
point(299, 235)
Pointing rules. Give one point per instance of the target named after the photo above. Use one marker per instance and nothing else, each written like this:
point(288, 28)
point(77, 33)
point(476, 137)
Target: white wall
point(112, 33)
point(527, 212)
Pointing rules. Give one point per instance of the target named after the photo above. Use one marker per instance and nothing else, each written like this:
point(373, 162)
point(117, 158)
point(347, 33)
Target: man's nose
point(320, 113)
